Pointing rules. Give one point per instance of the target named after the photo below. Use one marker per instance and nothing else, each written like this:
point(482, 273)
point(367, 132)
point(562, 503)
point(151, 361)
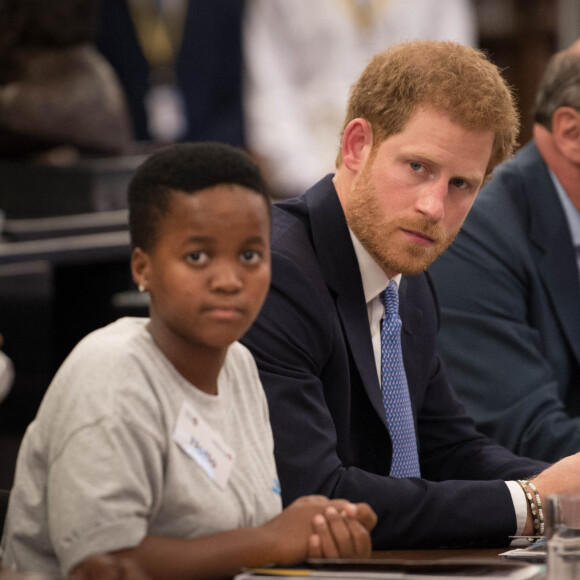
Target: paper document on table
point(445, 569)
point(536, 553)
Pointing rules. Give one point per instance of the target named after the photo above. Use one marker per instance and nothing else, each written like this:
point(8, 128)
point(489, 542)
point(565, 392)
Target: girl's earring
point(141, 288)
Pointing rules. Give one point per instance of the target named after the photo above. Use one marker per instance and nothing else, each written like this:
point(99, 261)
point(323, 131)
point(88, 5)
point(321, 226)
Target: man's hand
point(561, 478)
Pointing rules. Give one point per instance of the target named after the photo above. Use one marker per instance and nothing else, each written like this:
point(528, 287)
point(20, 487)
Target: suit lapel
point(553, 250)
point(340, 269)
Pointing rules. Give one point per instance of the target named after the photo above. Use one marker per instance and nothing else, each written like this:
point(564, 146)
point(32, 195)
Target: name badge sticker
point(197, 438)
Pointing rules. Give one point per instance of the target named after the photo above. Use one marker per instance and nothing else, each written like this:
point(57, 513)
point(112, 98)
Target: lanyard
point(365, 12)
point(159, 26)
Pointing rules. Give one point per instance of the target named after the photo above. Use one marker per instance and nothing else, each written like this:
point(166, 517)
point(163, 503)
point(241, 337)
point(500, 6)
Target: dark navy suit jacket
point(510, 296)
point(313, 347)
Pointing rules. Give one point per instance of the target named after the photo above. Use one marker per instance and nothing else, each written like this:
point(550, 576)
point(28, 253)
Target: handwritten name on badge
point(204, 445)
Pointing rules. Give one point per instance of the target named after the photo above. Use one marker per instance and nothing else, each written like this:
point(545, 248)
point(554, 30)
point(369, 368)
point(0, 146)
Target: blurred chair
point(59, 97)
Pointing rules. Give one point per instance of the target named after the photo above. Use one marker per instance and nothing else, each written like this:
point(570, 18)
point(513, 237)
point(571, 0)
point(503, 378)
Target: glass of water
point(563, 535)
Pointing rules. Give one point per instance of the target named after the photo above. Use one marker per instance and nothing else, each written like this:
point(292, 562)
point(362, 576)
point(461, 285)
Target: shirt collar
point(571, 212)
point(374, 279)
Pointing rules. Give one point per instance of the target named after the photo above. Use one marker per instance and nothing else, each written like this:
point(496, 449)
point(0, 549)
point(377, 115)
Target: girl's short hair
point(187, 168)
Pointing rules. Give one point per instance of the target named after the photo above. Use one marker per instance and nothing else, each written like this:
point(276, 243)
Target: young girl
point(153, 440)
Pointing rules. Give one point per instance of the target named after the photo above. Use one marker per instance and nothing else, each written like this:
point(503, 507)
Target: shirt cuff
point(520, 505)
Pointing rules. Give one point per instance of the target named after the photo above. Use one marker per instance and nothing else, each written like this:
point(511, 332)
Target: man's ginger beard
point(375, 231)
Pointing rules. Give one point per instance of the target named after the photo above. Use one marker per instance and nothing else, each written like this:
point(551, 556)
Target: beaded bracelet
point(539, 505)
point(529, 497)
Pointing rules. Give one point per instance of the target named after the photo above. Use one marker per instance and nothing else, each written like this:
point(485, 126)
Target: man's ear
point(140, 268)
point(566, 133)
point(357, 142)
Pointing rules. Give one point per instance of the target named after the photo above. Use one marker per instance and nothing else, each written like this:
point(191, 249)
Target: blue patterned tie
point(405, 462)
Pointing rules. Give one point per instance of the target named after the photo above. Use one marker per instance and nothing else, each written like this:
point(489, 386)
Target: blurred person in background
point(180, 65)
point(301, 58)
point(509, 286)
